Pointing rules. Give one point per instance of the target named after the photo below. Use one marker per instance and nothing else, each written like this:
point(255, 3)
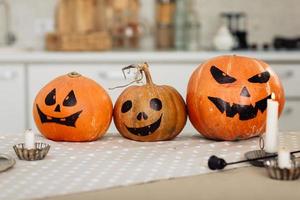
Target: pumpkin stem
point(145, 68)
point(74, 74)
point(139, 75)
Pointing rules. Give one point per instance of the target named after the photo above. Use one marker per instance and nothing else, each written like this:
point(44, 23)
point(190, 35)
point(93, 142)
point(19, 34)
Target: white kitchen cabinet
point(108, 75)
point(289, 75)
point(175, 75)
point(289, 120)
point(23, 75)
point(12, 98)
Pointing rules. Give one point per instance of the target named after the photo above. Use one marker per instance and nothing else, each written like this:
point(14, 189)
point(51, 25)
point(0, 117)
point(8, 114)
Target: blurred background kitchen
point(42, 39)
point(151, 24)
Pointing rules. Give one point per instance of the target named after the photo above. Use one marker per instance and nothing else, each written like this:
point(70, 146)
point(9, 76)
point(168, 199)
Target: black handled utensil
point(216, 163)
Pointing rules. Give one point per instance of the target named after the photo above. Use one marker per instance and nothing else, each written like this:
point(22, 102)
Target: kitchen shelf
point(141, 56)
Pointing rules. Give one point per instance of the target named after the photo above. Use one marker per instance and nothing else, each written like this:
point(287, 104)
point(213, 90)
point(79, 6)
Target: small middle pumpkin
point(149, 112)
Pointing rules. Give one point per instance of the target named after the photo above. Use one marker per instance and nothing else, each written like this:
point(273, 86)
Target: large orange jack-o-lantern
point(72, 108)
point(227, 97)
point(149, 112)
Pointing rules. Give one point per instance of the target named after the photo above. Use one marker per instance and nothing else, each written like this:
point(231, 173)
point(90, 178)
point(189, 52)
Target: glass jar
point(192, 28)
point(165, 36)
point(165, 10)
point(180, 24)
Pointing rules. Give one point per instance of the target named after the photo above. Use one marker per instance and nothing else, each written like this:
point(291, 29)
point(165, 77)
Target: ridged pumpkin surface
point(72, 108)
point(227, 97)
point(150, 112)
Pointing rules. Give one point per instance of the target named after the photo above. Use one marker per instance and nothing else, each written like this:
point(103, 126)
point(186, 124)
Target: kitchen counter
point(141, 56)
point(244, 183)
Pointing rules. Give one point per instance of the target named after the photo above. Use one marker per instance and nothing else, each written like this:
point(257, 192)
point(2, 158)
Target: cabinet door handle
point(286, 74)
point(7, 75)
point(288, 111)
point(115, 75)
point(112, 75)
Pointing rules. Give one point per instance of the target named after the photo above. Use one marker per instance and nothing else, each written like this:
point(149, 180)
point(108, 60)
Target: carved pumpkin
point(149, 112)
point(72, 108)
point(227, 97)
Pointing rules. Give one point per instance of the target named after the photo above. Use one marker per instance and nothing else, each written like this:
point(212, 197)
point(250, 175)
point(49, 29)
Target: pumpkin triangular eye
point(260, 78)
point(70, 99)
point(220, 76)
point(51, 98)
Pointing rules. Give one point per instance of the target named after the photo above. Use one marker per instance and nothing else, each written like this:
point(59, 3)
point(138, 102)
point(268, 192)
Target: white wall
point(28, 17)
point(266, 18)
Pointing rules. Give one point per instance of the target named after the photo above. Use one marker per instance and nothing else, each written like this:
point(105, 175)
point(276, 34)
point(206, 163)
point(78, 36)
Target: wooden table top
point(242, 183)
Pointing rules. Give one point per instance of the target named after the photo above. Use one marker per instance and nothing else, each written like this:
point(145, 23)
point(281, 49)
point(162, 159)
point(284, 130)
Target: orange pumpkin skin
point(227, 97)
point(152, 112)
point(84, 101)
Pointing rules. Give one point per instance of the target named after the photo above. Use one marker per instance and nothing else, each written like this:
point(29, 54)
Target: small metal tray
point(6, 162)
point(257, 154)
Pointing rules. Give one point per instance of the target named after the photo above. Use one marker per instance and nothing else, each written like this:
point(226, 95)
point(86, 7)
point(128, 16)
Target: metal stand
point(257, 154)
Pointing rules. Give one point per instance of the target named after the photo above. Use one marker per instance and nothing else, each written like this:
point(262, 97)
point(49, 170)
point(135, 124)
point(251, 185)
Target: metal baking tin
point(38, 153)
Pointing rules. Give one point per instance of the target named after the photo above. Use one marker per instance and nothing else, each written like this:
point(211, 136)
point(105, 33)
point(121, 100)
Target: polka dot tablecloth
point(114, 161)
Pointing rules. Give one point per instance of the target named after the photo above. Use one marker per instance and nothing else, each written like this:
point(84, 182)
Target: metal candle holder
point(250, 155)
point(38, 153)
point(275, 172)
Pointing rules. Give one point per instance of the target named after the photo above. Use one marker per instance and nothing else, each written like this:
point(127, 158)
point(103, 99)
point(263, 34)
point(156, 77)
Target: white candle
point(29, 139)
point(271, 138)
point(284, 158)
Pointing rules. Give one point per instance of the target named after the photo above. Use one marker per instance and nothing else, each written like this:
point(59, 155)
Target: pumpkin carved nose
point(141, 116)
point(245, 92)
point(57, 108)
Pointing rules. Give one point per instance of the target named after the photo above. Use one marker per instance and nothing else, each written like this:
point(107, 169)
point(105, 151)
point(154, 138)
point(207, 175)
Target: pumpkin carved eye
point(239, 108)
point(260, 78)
point(220, 76)
point(70, 99)
point(155, 104)
point(51, 98)
point(126, 106)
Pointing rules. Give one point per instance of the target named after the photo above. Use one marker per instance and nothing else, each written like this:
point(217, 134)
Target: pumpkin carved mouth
point(67, 121)
point(146, 130)
point(245, 112)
